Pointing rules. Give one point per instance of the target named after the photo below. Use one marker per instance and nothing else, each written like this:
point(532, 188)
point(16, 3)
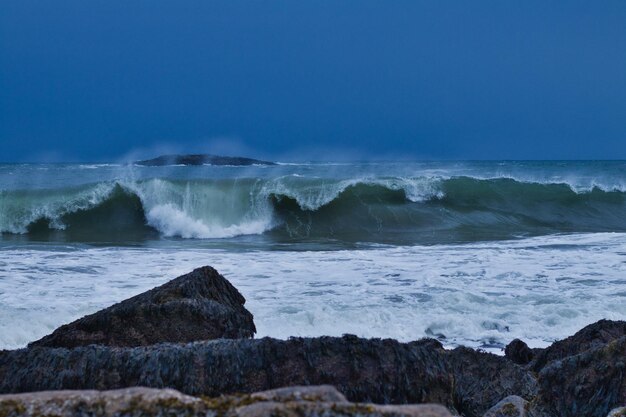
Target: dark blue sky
point(94, 80)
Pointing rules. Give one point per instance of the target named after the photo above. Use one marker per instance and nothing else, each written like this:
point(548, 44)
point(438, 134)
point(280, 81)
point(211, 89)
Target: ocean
point(471, 253)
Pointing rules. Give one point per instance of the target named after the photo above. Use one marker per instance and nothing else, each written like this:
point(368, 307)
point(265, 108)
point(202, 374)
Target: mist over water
point(474, 253)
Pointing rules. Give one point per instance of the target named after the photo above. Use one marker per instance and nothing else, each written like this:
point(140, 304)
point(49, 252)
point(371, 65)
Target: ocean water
point(472, 253)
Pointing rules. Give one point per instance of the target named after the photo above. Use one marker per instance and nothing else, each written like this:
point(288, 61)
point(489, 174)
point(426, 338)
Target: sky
point(97, 80)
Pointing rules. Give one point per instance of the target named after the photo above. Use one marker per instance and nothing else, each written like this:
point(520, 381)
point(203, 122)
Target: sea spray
point(375, 209)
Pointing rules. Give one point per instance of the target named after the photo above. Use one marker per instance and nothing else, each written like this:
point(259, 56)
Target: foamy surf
point(376, 209)
point(481, 295)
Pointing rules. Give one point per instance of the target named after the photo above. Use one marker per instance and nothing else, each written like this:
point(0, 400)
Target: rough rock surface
point(593, 336)
point(374, 370)
point(136, 402)
point(201, 305)
point(125, 402)
point(482, 379)
point(314, 409)
point(518, 352)
point(589, 384)
point(511, 406)
point(202, 159)
point(365, 370)
point(325, 393)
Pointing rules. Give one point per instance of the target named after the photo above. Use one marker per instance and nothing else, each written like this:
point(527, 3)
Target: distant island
point(201, 159)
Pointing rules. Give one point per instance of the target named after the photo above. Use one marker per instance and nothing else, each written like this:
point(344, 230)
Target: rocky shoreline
point(194, 335)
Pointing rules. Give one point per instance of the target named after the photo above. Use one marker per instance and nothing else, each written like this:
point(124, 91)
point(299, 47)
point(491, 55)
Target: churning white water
point(478, 294)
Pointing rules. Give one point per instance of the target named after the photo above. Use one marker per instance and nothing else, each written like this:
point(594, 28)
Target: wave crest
point(414, 210)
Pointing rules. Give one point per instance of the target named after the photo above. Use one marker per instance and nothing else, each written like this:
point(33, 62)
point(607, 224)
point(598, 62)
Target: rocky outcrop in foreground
point(581, 376)
point(201, 305)
point(139, 402)
point(596, 335)
point(587, 384)
point(365, 370)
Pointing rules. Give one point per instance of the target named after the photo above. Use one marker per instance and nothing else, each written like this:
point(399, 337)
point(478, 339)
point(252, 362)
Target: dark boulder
point(201, 305)
point(482, 379)
point(364, 370)
point(371, 370)
point(589, 384)
point(518, 352)
point(593, 336)
point(202, 159)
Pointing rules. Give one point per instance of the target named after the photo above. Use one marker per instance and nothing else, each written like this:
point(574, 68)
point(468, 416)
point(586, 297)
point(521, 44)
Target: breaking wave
point(385, 210)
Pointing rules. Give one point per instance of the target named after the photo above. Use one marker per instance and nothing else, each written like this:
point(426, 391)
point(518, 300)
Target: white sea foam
point(537, 289)
point(207, 211)
point(218, 208)
point(93, 166)
point(417, 189)
point(171, 221)
point(316, 194)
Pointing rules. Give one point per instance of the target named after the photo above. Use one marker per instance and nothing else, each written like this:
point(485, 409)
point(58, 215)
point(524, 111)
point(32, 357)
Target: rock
point(593, 336)
point(202, 159)
point(324, 393)
point(201, 305)
point(518, 352)
point(126, 402)
point(618, 412)
point(313, 401)
point(139, 402)
point(364, 370)
point(312, 409)
point(588, 384)
point(511, 406)
point(482, 379)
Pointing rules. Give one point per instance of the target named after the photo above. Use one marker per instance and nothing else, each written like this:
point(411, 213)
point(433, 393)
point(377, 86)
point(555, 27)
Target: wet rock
point(365, 370)
point(511, 406)
point(482, 379)
point(201, 305)
point(589, 384)
point(593, 336)
point(518, 352)
point(138, 402)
